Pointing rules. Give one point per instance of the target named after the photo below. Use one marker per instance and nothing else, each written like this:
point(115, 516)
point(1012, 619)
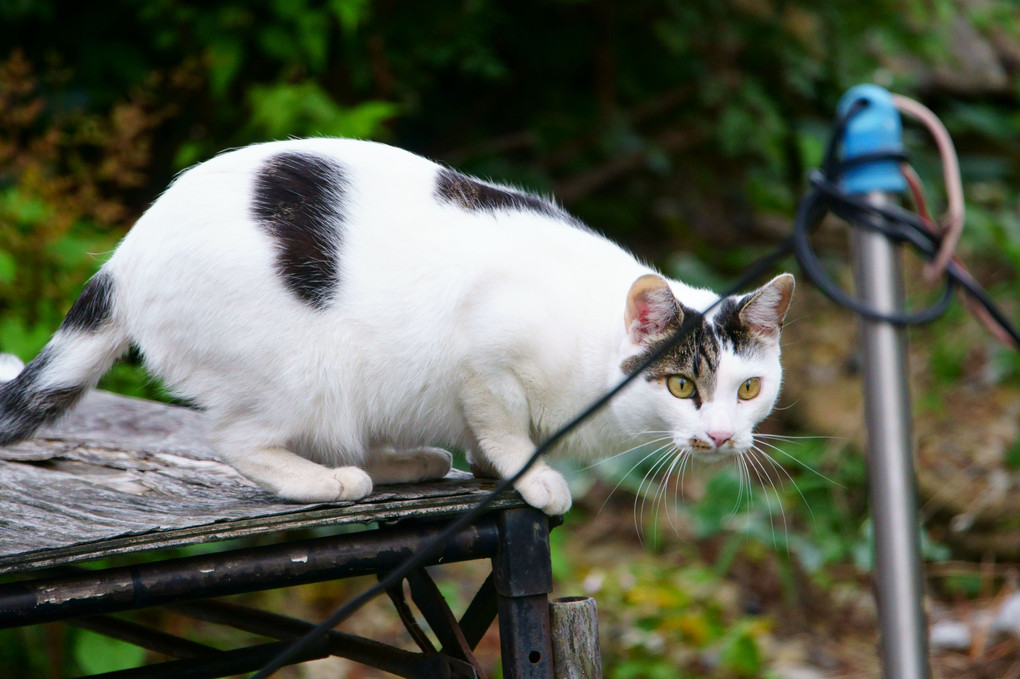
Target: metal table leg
point(522, 575)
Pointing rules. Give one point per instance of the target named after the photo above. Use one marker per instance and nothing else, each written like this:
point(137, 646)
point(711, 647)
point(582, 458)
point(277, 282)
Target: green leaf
point(23, 209)
point(740, 653)
point(1013, 455)
point(225, 59)
point(350, 13)
point(8, 266)
point(285, 110)
point(96, 653)
point(18, 339)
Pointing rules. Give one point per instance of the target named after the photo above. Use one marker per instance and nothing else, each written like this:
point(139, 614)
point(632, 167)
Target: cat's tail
point(88, 341)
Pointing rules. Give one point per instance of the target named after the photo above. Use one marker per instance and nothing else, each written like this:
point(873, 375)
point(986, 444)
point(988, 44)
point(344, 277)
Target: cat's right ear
point(652, 310)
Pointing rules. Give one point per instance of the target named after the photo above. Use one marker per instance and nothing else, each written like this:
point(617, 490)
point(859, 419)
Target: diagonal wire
point(427, 551)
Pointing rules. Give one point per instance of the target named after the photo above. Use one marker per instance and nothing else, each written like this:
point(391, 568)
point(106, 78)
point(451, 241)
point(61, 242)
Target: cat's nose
point(720, 437)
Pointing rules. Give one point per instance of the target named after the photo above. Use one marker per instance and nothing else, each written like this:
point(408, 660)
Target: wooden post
point(575, 638)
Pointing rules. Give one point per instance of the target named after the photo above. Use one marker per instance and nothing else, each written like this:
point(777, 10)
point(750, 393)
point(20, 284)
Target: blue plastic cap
point(876, 128)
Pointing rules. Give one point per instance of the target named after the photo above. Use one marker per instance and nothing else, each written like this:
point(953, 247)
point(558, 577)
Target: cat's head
point(710, 390)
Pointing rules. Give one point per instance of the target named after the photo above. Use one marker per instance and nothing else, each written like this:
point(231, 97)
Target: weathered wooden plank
point(122, 475)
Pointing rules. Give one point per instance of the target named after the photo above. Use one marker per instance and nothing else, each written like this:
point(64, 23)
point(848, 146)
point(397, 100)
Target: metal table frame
point(515, 539)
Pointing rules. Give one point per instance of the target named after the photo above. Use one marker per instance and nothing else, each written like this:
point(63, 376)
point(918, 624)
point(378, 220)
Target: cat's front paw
point(332, 485)
point(545, 488)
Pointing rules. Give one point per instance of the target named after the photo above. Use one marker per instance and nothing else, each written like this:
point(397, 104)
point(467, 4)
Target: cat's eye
point(749, 389)
point(680, 386)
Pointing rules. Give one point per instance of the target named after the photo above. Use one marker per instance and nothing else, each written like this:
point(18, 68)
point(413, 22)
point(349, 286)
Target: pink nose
point(720, 437)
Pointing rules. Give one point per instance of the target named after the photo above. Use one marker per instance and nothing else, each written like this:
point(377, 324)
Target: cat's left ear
point(764, 310)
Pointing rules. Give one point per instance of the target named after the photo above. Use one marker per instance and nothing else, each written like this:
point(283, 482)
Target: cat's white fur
point(481, 330)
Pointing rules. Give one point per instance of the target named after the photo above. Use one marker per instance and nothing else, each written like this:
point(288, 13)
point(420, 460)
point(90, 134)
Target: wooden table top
point(121, 475)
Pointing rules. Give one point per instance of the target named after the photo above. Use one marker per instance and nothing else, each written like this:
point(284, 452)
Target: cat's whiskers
point(652, 442)
point(784, 437)
point(661, 496)
point(778, 467)
point(746, 474)
point(759, 438)
point(740, 490)
point(669, 469)
point(624, 476)
point(685, 456)
point(683, 470)
point(760, 467)
point(649, 478)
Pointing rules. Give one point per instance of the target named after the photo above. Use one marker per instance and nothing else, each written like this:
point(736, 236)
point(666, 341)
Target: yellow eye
point(680, 386)
point(749, 389)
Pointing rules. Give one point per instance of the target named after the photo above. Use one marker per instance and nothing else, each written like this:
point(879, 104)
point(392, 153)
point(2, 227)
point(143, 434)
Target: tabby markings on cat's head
point(299, 201)
point(654, 315)
point(695, 356)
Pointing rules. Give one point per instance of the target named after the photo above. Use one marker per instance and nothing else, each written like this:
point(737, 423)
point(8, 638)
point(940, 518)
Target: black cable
point(900, 226)
point(895, 223)
point(425, 553)
point(825, 197)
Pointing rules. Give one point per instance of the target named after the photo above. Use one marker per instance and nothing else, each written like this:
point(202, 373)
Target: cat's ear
point(651, 309)
point(764, 310)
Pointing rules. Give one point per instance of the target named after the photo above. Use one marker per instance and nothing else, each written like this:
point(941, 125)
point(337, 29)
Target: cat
point(338, 307)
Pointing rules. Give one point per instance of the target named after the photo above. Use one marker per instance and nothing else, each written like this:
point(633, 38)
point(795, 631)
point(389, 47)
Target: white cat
point(337, 306)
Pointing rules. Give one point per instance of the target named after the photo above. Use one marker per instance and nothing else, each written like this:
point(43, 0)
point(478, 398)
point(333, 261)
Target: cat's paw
point(429, 463)
point(409, 466)
point(545, 488)
point(332, 485)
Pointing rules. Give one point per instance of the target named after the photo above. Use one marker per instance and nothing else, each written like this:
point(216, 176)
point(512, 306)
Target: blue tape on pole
point(874, 129)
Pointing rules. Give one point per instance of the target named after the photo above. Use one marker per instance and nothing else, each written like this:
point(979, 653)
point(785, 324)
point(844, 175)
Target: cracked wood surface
point(120, 475)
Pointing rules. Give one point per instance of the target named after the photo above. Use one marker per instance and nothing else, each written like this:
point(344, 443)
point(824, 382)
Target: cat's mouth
point(706, 451)
point(715, 454)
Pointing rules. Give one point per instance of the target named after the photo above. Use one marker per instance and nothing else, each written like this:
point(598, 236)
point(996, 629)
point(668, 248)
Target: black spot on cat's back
point(93, 307)
point(473, 195)
point(299, 200)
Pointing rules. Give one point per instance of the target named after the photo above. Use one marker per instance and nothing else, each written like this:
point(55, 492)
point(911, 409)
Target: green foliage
point(675, 622)
point(95, 653)
point(305, 109)
point(1013, 455)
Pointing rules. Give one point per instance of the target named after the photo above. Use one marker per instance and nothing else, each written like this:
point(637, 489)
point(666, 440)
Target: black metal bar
point(234, 572)
point(140, 635)
point(525, 637)
point(396, 595)
point(359, 649)
point(430, 602)
point(523, 579)
point(480, 613)
point(218, 664)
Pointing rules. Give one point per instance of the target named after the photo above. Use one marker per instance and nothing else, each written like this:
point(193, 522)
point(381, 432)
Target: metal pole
point(872, 138)
point(894, 516)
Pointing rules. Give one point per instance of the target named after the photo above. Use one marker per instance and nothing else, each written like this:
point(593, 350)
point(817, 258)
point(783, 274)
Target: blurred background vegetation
point(681, 128)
